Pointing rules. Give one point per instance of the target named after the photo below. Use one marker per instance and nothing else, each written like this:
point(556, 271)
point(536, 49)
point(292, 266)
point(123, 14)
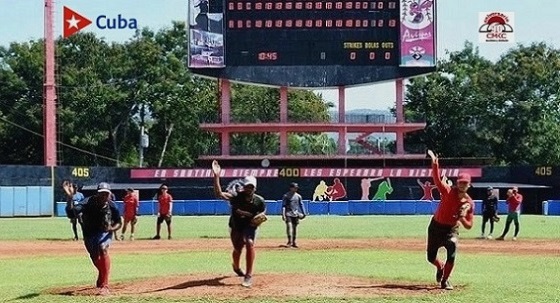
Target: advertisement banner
point(206, 34)
point(296, 172)
point(417, 39)
point(496, 27)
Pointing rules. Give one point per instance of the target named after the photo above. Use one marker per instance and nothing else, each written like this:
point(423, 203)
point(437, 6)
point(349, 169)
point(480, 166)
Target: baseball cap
point(489, 188)
point(103, 187)
point(250, 180)
point(294, 184)
point(464, 177)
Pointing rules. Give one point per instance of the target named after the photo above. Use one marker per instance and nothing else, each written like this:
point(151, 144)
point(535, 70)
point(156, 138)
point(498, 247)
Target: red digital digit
point(319, 23)
point(299, 5)
point(358, 5)
point(392, 23)
point(231, 24)
point(349, 5)
point(373, 23)
point(268, 5)
point(352, 55)
point(328, 5)
point(258, 5)
point(278, 5)
point(248, 24)
point(308, 23)
point(364, 23)
point(379, 5)
point(299, 23)
point(338, 23)
point(349, 23)
point(278, 23)
point(358, 23)
point(372, 56)
point(318, 5)
point(268, 23)
point(328, 23)
point(289, 5)
point(308, 5)
point(387, 55)
point(289, 23)
point(239, 23)
point(373, 5)
point(338, 5)
point(231, 6)
point(364, 5)
point(258, 24)
point(239, 6)
point(380, 23)
point(248, 6)
point(392, 5)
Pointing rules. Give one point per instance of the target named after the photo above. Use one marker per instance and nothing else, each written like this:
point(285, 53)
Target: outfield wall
point(344, 208)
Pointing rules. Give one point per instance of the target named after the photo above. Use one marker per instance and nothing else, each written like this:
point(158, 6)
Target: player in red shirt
point(165, 201)
point(514, 200)
point(130, 202)
point(455, 207)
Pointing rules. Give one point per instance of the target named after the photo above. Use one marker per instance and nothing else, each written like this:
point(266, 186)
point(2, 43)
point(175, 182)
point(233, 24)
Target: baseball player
point(455, 207)
point(245, 205)
point(99, 220)
point(292, 212)
point(489, 211)
point(165, 202)
point(131, 204)
point(514, 200)
point(71, 201)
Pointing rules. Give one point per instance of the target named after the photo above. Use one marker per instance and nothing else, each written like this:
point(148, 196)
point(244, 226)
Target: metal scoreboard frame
point(311, 43)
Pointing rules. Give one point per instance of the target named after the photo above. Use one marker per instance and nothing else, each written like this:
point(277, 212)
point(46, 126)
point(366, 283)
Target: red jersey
point(165, 204)
point(450, 203)
point(130, 205)
point(514, 203)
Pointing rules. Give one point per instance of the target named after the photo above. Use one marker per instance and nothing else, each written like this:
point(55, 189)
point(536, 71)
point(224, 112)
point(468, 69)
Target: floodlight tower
point(49, 89)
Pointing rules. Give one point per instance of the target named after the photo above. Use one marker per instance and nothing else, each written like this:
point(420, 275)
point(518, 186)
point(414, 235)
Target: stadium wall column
point(225, 92)
point(400, 114)
point(342, 119)
point(283, 119)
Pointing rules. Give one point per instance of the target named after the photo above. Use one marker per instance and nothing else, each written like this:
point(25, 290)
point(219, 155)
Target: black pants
point(440, 235)
point(487, 216)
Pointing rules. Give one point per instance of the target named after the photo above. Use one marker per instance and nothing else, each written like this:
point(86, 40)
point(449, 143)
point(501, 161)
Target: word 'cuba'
point(104, 22)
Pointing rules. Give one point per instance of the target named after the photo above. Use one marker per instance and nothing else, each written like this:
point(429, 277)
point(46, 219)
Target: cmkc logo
point(74, 22)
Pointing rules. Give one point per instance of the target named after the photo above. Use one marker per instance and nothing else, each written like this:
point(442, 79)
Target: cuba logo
point(74, 22)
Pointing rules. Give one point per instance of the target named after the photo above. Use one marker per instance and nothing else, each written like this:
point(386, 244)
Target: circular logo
point(418, 14)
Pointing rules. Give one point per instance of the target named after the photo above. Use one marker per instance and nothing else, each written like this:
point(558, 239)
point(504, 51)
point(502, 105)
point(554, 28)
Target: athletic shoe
point(156, 238)
point(104, 291)
point(131, 237)
point(169, 238)
point(247, 281)
point(489, 237)
point(238, 271)
point(295, 246)
point(514, 239)
point(439, 274)
point(482, 236)
point(500, 238)
point(122, 237)
point(446, 285)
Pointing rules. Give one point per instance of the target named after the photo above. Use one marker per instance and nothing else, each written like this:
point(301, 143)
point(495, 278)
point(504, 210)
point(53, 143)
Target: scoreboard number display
point(287, 32)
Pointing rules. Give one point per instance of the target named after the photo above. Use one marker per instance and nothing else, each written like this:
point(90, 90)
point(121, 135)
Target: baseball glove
point(463, 210)
point(495, 218)
point(258, 220)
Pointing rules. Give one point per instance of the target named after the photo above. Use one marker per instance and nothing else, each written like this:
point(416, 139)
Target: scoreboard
point(311, 43)
point(338, 32)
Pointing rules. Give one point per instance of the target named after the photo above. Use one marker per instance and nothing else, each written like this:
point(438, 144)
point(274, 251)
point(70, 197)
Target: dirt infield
point(266, 285)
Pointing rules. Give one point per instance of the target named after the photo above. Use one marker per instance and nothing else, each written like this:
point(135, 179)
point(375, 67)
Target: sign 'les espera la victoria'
point(301, 172)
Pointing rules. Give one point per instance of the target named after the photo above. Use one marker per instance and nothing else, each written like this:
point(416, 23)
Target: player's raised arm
point(216, 170)
point(443, 188)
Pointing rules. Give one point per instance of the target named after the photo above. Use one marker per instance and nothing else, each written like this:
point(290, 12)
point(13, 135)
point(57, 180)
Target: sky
point(458, 21)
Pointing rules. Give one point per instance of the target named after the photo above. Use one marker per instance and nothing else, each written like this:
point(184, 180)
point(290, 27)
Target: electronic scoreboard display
point(287, 32)
point(311, 43)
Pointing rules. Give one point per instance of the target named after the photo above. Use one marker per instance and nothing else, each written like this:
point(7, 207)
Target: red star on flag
point(73, 22)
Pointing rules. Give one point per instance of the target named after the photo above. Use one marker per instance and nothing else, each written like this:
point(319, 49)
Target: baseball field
point(355, 259)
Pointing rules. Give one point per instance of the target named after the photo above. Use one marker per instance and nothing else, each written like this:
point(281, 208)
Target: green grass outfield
point(487, 277)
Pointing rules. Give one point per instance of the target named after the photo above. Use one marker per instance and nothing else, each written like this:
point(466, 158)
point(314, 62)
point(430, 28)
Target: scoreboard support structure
point(225, 128)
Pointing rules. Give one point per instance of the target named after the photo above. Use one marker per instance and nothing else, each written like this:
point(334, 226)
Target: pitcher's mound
point(264, 286)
